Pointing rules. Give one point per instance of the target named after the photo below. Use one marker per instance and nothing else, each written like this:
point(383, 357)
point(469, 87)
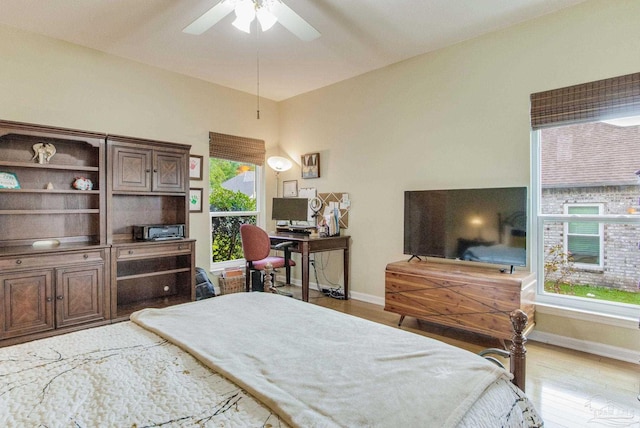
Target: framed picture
point(195, 200)
point(311, 165)
point(195, 167)
point(290, 189)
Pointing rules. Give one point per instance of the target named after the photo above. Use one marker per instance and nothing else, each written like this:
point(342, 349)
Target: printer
point(158, 232)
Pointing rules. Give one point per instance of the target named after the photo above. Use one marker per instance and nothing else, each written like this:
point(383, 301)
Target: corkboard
point(339, 198)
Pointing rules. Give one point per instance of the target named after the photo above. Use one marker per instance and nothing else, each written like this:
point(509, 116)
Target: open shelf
point(48, 212)
point(52, 191)
point(125, 310)
point(152, 289)
point(49, 166)
point(150, 274)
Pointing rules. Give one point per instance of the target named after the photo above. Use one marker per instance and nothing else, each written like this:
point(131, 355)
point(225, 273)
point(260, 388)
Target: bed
point(253, 359)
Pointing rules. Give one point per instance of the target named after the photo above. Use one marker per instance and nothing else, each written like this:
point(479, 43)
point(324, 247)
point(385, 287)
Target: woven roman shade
point(239, 149)
point(587, 102)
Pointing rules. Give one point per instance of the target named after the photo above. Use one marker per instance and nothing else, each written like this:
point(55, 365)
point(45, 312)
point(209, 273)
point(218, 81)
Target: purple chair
point(256, 247)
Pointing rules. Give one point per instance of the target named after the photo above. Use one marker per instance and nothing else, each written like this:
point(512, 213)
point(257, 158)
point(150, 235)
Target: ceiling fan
point(268, 12)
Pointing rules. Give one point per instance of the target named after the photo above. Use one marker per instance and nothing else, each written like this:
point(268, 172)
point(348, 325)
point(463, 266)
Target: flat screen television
point(290, 209)
point(482, 225)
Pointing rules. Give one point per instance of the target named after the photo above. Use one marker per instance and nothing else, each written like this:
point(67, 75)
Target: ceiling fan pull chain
point(257, 74)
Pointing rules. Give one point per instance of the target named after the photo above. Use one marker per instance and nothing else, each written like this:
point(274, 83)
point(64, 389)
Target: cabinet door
point(131, 169)
point(79, 295)
point(27, 303)
point(169, 170)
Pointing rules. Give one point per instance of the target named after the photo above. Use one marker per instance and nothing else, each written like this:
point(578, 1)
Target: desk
point(307, 244)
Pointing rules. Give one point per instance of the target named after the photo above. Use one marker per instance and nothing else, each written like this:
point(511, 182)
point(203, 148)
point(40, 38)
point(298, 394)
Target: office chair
point(256, 247)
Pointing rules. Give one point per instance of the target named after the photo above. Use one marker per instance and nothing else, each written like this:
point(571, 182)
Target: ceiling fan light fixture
point(245, 14)
point(266, 18)
point(269, 12)
point(242, 25)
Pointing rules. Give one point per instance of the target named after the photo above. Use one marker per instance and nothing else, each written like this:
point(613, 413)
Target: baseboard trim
point(595, 348)
point(368, 298)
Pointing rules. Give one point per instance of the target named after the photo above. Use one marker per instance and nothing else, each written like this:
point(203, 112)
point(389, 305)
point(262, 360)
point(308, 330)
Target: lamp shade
point(279, 163)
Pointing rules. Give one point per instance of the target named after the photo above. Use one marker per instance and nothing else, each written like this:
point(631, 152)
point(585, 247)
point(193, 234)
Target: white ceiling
point(357, 35)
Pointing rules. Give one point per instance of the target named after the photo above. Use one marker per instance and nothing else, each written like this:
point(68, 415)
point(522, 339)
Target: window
point(583, 240)
point(236, 194)
point(586, 195)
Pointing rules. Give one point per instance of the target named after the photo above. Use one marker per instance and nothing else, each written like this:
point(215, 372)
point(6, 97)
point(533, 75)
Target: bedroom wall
point(51, 82)
point(458, 117)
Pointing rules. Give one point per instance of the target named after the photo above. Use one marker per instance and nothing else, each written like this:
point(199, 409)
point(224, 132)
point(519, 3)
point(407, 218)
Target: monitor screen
point(290, 209)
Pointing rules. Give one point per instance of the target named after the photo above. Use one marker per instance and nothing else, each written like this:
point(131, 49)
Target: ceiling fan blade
point(209, 18)
point(293, 22)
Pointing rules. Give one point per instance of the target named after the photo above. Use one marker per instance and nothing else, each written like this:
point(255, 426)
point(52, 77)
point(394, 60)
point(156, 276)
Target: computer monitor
point(290, 209)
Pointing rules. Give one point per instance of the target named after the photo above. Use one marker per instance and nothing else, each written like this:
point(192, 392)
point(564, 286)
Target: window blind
point(234, 148)
point(587, 102)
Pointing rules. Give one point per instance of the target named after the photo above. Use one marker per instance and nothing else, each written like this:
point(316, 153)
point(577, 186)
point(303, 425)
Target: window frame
point(565, 302)
point(585, 266)
point(260, 189)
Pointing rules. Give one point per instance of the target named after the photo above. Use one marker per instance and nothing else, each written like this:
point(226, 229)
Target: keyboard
point(299, 227)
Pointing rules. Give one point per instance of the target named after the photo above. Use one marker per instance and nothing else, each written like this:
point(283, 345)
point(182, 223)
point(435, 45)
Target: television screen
point(290, 209)
point(482, 225)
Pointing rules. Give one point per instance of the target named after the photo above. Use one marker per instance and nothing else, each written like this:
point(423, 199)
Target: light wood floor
point(569, 388)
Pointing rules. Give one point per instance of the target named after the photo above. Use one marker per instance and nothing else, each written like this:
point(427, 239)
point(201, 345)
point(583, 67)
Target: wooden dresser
point(473, 298)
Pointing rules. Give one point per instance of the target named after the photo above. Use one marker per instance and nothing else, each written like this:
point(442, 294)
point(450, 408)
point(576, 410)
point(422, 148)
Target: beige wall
point(458, 117)
point(55, 83)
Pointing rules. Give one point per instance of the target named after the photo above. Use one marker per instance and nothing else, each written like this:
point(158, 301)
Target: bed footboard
point(517, 354)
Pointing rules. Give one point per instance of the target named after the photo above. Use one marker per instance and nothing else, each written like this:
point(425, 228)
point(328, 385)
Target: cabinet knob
point(155, 170)
point(60, 297)
point(147, 170)
point(180, 247)
point(130, 251)
point(86, 256)
point(49, 299)
point(18, 262)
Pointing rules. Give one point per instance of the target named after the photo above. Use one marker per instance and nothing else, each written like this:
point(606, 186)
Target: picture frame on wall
point(195, 200)
point(290, 189)
point(310, 165)
point(195, 167)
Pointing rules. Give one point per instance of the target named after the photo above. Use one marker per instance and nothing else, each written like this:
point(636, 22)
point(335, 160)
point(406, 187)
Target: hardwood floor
point(569, 388)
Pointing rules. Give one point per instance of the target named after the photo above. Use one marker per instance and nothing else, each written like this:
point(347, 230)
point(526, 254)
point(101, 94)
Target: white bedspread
point(118, 376)
point(283, 351)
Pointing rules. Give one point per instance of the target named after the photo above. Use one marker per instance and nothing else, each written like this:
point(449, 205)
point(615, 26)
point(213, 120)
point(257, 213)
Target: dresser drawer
point(153, 250)
point(55, 260)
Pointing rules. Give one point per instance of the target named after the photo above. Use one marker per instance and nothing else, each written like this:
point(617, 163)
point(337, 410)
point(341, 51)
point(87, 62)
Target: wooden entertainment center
point(68, 258)
point(473, 298)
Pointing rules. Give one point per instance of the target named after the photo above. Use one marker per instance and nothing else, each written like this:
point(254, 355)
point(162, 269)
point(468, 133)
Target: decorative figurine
point(82, 183)
point(44, 152)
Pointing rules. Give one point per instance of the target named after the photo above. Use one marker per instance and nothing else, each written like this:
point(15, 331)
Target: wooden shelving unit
point(148, 184)
point(67, 257)
point(53, 250)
